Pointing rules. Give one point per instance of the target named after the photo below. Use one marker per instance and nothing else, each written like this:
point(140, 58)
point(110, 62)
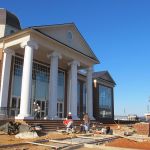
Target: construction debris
point(26, 135)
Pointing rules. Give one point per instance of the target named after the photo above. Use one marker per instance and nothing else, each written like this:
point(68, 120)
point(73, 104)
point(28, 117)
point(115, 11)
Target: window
point(40, 85)
point(60, 94)
point(69, 37)
point(78, 98)
point(81, 101)
point(18, 67)
point(40, 80)
point(61, 85)
point(105, 102)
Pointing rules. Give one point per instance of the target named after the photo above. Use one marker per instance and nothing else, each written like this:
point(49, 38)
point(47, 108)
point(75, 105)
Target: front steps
point(50, 125)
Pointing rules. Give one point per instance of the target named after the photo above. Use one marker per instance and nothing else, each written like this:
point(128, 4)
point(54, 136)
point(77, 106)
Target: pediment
point(107, 77)
point(69, 35)
point(103, 75)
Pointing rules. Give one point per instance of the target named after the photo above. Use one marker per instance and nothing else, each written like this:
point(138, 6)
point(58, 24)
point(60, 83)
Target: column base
point(24, 117)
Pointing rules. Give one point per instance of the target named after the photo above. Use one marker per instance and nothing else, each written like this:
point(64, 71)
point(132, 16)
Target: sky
point(118, 31)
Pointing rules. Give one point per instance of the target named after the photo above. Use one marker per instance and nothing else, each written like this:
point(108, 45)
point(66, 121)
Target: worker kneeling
point(69, 123)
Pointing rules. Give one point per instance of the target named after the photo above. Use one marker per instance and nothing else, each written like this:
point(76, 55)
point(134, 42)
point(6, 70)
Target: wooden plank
point(48, 145)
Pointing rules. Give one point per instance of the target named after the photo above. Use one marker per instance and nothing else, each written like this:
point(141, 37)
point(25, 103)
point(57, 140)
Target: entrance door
point(43, 108)
point(15, 106)
point(60, 109)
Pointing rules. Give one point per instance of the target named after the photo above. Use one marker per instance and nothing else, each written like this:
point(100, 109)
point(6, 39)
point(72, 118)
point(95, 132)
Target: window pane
point(84, 97)
point(18, 67)
point(14, 103)
point(105, 102)
point(81, 89)
point(61, 86)
point(78, 98)
point(60, 106)
point(40, 82)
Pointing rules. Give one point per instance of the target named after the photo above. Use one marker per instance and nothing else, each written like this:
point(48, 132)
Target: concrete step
point(50, 125)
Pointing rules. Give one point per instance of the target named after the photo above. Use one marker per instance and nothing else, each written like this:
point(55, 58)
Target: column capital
point(9, 51)
point(74, 62)
point(54, 54)
point(29, 43)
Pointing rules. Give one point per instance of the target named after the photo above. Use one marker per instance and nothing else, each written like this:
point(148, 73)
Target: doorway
point(43, 108)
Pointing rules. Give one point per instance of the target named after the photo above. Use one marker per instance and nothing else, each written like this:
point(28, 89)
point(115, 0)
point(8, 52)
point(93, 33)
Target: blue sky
point(118, 31)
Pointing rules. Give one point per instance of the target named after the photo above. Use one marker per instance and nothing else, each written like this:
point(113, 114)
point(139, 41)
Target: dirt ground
point(10, 139)
point(121, 142)
point(125, 143)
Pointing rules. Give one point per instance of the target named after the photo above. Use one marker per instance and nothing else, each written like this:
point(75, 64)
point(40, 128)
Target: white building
point(43, 64)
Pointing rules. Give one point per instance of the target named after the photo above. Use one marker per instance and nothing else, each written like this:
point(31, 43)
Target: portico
point(35, 47)
point(51, 65)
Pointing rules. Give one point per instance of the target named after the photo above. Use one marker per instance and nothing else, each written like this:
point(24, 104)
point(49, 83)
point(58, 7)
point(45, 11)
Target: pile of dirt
point(125, 143)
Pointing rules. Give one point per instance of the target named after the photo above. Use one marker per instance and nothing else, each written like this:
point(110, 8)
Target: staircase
point(50, 125)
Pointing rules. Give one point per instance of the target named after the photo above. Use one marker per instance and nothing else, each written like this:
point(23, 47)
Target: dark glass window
point(81, 101)
point(78, 99)
point(105, 101)
point(40, 80)
point(18, 67)
point(61, 86)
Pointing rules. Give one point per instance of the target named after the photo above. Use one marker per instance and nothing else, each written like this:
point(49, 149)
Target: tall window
point(60, 94)
point(61, 86)
point(84, 97)
point(105, 102)
point(40, 81)
point(81, 101)
point(78, 98)
point(16, 87)
point(18, 67)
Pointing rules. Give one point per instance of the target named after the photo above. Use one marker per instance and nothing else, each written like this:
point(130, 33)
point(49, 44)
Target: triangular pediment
point(103, 75)
point(69, 35)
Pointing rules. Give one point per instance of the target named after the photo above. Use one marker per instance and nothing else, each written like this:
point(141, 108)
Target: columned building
point(51, 65)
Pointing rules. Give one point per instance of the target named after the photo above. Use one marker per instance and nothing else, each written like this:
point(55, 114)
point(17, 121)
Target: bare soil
point(122, 142)
point(10, 139)
point(125, 143)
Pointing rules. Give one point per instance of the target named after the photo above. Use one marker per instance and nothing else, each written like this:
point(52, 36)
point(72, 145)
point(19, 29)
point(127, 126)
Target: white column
point(5, 77)
point(26, 87)
point(89, 93)
point(52, 103)
point(73, 88)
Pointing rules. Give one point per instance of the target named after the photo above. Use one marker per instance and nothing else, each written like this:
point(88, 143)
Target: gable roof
point(105, 75)
point(81, 46)
point(38, 29)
